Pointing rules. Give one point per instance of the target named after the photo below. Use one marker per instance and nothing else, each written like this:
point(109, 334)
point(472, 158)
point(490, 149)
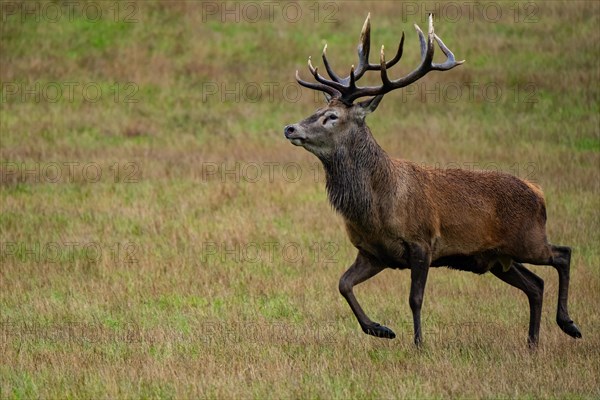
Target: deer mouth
point(297, 141)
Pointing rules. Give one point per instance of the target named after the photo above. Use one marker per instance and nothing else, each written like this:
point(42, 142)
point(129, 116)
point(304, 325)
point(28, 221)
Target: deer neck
point(354, 173)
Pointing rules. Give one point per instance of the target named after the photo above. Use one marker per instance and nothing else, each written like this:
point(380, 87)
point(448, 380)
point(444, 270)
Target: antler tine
point(364, 48)
point(352, 84)
point(426, 44)
point(312, 69)
point(384, 76)
point(318, 86)
point(323, 80)
point(450, 61)
point(328, 68)
point(398, 55)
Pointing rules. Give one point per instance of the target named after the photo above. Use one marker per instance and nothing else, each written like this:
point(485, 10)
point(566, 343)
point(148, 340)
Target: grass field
point(159, 238)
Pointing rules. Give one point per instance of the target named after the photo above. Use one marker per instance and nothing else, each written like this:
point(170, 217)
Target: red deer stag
point(400, 215)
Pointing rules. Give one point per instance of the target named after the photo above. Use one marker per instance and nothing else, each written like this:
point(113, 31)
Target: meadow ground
point(159, 238)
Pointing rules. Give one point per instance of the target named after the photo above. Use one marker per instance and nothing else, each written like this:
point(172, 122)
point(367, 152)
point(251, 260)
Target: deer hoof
point(570, 329)
point(532, 343)
point(379, 331)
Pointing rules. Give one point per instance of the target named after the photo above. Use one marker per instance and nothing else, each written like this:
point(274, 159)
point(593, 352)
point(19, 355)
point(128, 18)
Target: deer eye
point(330, 117)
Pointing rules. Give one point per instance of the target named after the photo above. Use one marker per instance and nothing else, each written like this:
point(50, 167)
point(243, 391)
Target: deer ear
point(328, 97)
point(368, 106)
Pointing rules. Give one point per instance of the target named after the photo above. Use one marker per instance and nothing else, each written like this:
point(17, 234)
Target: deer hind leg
point(533, 286)
point(560, 258)
point(561, 261)
point(363, 269)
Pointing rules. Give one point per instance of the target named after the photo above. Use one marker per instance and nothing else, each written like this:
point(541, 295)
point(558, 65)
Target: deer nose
point(289, 130)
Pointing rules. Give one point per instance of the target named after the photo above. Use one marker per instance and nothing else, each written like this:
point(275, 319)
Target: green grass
point(199, 263)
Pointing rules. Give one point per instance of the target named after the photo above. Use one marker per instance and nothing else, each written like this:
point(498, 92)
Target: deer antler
point(346, 90)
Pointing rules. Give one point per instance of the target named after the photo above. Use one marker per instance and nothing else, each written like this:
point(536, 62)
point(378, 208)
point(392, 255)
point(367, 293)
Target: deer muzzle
point(294, 135)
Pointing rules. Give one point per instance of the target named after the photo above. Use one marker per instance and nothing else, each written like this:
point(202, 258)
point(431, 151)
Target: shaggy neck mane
point(353, 171)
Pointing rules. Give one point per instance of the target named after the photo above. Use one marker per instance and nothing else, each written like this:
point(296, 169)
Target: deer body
point(401, 215)
point(452, 213)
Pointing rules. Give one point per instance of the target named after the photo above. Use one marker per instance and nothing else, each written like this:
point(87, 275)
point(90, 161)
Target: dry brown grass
point(198, 278)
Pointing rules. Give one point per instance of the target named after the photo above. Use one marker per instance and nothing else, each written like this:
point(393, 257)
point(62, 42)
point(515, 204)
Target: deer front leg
point(419, 261)
point(363, 269)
